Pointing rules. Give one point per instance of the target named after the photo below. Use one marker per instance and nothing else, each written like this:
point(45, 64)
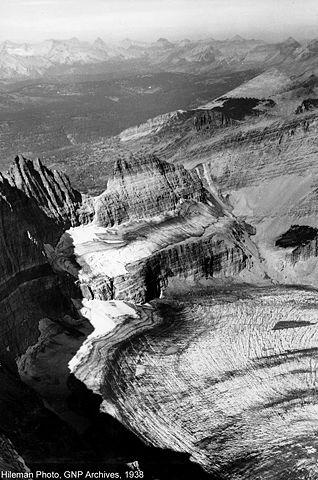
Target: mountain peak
point(50, 189)
point(142, 185)
point(99, 43)
point(237, 38)
point(74, 40)
point(292, 42)
point(313, 45)
point(164, 42)
point(126, 43)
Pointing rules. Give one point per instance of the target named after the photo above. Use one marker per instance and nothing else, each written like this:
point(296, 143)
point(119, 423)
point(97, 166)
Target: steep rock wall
point(153, 222)
point(27, 225)
point(210, 257)
point(144, 186)
point(214, 118)
point(307, 104)
point(51, 190)
point(305, 252)
point(269, 175)
point(247, 156)
point(35, 208)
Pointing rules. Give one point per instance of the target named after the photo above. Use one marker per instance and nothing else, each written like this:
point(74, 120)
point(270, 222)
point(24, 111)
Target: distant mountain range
point(50, 57)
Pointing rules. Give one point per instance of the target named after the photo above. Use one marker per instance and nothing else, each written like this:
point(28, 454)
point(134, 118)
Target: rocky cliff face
point(308, 104)
point(214, 118)
point(51, 190)
point(301, 243)
point(264, 149)
point(36, 206)
point(143, 187)
point(154, 221)
point(219, 255)
point(228, 111)
point(10, 461)
point(308, 251)
point(223, 112)
point(270, 177)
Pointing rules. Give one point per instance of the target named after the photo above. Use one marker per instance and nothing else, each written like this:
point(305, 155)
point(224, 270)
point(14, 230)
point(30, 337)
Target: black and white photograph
point(159, 239)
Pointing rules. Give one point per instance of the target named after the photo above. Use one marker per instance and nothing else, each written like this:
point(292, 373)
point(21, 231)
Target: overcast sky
point(32, 20)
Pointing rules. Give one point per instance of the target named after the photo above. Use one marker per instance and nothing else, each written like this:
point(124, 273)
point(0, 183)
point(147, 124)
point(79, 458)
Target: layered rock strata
point(29, 220)
point(215, 118)
point(265, 149)
point(228, 111)
point(154, 221)
point(51, 190)
point(143, 187)
point(268, 173)
point(36, 206)
point(224, 112)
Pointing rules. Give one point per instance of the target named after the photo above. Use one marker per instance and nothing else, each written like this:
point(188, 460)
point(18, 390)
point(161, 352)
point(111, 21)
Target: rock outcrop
point(301, 242)
point(51, 190)
point(143, 187)
point(208, 119)
point(307, 251)
point(265, 166)
point(154, 221)
point(296, 236)
point(229, 111)
point(306, 105)
point(223, 112)
point(36, 206)
point(161, 123)
point(270, 177)
point(10, 461)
